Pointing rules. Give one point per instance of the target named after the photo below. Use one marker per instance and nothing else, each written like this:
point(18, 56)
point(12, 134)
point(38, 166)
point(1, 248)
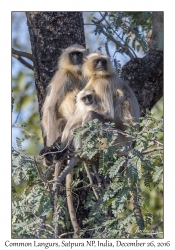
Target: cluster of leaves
point(128, 28)
point(32, 202)
point(122, 208)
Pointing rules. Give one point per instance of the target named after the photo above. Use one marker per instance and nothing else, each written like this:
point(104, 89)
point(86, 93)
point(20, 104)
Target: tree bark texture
point(50, 33)
point(145, 75)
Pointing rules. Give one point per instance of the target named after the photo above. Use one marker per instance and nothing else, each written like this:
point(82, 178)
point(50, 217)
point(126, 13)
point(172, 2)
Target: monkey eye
point(96, 61)
point(89, 96)
point(83, 98)
point(103, 60)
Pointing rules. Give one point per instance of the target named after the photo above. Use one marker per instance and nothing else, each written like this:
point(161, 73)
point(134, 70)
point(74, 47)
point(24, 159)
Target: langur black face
point(100, 64)
point(76, 58)
point(88, 100)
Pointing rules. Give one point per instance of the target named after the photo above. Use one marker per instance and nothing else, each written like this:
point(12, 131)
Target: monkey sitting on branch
point(113, 98)
point(60, 99)
point(116, 99)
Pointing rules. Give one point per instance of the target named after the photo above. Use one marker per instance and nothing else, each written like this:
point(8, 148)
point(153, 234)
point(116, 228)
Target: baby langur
point(87, 109)
point(115, 98)
point(60, 99)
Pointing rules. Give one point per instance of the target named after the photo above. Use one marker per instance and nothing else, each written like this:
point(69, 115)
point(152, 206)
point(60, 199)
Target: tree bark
point(50, 33)
point(145, 75)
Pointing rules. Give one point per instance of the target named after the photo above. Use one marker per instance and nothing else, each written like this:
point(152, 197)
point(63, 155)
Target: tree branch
point(111, 38)
point(24, 62)
point(23, 54)
point(91, 181)
point(63, 174)
point(151, 150)
point(127, 45)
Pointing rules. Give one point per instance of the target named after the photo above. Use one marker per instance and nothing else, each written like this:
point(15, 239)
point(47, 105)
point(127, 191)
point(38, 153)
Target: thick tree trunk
point(50, 33)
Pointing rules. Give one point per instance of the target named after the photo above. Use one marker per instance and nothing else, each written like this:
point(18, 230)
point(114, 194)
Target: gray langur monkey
point(86, 110)
point(116, 100)
point(59, 103)
point(61, 92)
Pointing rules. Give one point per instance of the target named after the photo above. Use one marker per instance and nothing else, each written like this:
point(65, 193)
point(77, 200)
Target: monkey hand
point(46, 152)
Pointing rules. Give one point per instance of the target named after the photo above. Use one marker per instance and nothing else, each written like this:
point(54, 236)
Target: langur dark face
point(76, 58)
point(100, 64)
point(88, 100)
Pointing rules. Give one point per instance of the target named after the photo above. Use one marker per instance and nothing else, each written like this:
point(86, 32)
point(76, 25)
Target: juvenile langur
point(115, 98)
point(86, 110)
point(60, 99)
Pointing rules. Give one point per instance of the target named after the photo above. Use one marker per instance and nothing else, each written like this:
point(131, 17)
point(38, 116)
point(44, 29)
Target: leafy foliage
point(123, 207)
point(127, 30)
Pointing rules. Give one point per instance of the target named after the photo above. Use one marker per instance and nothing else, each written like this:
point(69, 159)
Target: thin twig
point(134, 195)
point(96, 175)
point(38, 170)
point(62, 235)
point(17, 117)
point(90, 180)
point(151, 150)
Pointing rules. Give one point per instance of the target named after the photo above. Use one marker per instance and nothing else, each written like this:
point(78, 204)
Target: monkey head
point(72, 58)
point(98, 65)
point(85, 99)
